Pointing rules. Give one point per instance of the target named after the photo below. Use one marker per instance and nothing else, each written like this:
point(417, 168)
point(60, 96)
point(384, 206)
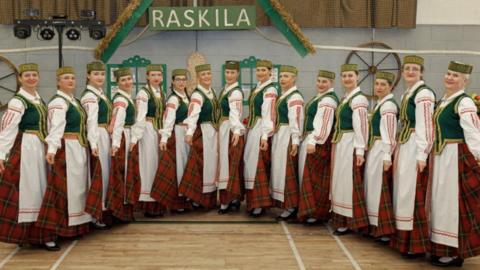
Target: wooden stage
point(206, 240)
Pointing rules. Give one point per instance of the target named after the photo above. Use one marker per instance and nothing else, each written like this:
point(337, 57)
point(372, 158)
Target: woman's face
point(412, 73)
point(349, 79)
point(155, 78)
point(323, 84)
point(262, 73)
point(231, 76)
point(205, 78)
point(67, 83)
point(29, 79)
point(287, 80)
point(454, 81)
point(96, 78)
point(382, 88)
point(180, 82)
point(125, 83)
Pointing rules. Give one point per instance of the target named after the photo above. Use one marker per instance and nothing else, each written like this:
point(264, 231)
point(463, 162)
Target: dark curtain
point(307, 13)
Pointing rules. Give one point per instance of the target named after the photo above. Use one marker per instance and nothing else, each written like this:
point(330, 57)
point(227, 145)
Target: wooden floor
point(206, 240)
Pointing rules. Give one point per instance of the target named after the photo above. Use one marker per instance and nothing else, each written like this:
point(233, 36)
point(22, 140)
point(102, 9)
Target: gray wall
point(173, 49)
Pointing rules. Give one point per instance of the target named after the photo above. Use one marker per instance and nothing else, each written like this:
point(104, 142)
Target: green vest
point(374, 127)
point(76, 119)
point(224, 104)
point(182, 110)
point(407, 114)
point(447, 124)
point(282, 110)
point(343, 118)
point(130, 111)
point(255, 101)
point(311, 110)
point(209, 113)
point(34, 118)
point(104, 108)
point(155, 107)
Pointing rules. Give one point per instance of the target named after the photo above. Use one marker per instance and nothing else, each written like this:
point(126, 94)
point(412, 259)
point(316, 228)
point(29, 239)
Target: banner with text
point(202, 18)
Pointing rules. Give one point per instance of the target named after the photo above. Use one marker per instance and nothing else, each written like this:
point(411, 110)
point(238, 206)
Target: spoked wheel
point(8, 81)
point(369, 63)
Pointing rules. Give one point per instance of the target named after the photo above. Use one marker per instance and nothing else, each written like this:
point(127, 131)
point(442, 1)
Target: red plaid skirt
point(417, 240)
point(236, 185)
point(10, 230)
point(315, 190)
point(123, 190)
point(165, 186)
point(291, 192)
point(192, 180)
point(469, 208)
point(259, 196)
point(93, 204)
point(386, 218)
point(359, 221)
point(54, 212)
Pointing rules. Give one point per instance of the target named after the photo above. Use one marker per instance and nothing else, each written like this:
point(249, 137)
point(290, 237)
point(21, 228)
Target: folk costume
point(455, 185)
point(99, 113)
point(150, 106)
point(261, 124)
point(350, 140)
point(63, 207)
point(288, 130)
point(382, 142)
point(24, 181)
point(230, 180)
point(124, 181)
point(199, 178)
point(415, 142)
point(172, 162)
point(314, 170)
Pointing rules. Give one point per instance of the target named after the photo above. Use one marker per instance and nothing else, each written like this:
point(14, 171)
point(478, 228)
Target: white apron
point(210, 157)
point(373, 181)
point(104, 157)
point(302, 157)
point(280, 142)
point(33, 178)
point(251, 154)
point(444, 217)
point(148, 161)
point(224, 138)
point(182, 150)
point(78, 179)
point(342, 176)
point(404, 184)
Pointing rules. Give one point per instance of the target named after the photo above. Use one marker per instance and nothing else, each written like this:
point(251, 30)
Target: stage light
point(47, 33)
point(22, 31)
point(88, 13)
point(73, 34)
point(97, 31)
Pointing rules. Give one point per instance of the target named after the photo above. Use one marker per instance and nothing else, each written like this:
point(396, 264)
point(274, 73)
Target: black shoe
point(196, 206)
point(235, 205)
point(338, 233)
point(412, 256)
point(224, 211)
point(382, 242)
point(54, 248)
point(257, 215)
point(292, 215)
point(150, 215)
point(101, 228)
point(435, 260)
point(310, 224)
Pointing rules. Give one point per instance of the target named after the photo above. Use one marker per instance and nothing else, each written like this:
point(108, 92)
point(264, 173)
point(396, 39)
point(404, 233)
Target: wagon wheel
point(369, 63)
point(8, 81)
